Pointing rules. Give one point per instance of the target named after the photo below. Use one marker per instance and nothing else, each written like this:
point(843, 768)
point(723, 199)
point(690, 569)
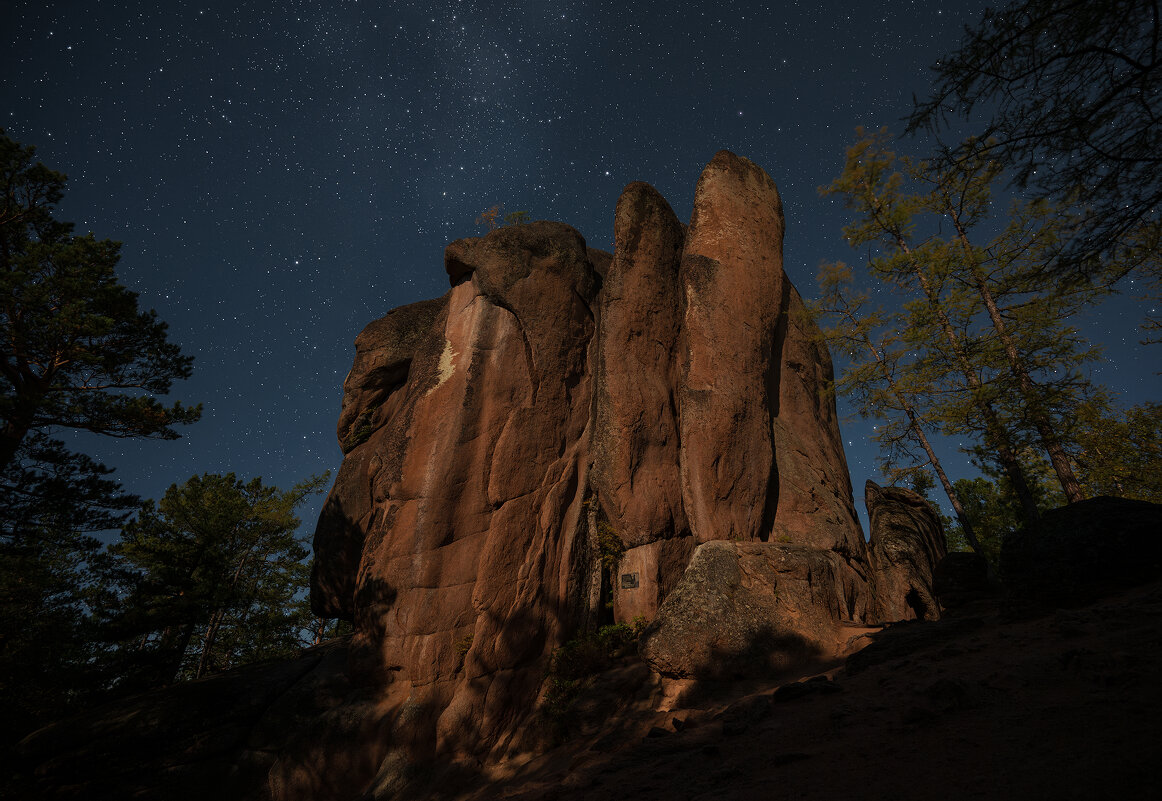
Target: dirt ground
point(999, 700)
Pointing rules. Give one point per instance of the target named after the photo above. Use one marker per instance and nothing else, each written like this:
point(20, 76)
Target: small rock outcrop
point(906, 545)
point(1084, 550)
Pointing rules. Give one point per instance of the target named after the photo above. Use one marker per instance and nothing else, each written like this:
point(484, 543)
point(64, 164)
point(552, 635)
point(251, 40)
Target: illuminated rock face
point(555, 406)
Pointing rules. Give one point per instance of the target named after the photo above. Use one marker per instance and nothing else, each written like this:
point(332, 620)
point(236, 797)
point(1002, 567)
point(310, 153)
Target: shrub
point(575, 663)
point(609, 545)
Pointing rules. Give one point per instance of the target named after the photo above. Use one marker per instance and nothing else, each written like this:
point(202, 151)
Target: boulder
point(1085, 550)
point(906, 544)
point(755, 609)
point(961, 577)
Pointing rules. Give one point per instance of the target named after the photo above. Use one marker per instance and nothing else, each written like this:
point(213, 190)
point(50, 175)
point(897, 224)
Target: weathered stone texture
point(671, 393)
point(906, 545)
point(731, 271)
point(754, 608)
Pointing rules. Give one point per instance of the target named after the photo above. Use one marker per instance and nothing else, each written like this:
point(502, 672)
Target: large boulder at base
point(907, 543)
point(1085, 550)
point(756, 608)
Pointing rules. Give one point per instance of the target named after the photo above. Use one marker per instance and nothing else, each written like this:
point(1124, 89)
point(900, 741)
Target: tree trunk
point(949, 490)
point(997, 435)
point(918, 430)
point(11, 436)
point(1057, 455)
point(208, 639)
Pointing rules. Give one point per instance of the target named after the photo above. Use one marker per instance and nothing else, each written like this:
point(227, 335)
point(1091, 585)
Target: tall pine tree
point(988, 329)
point(884, 378)
point(75, 353)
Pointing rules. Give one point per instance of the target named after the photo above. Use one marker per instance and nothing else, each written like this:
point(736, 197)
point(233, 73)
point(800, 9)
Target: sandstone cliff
point(556, 436)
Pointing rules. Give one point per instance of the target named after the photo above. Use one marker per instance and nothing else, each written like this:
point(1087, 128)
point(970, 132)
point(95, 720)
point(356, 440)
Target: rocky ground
point(1000, 700)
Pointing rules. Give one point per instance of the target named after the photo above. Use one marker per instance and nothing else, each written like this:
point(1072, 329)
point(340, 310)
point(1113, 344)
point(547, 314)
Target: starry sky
point(283, 173)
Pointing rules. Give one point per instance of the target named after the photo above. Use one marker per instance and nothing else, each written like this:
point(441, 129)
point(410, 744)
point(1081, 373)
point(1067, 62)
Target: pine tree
point(884, 380)
point(75, 351)
point(51, 502)
point(1070, 95)
point(1000, 363)
point(1120, 452)
point(217, 571)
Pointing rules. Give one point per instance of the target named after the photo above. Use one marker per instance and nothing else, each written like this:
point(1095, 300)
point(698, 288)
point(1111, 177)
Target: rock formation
point(568, 438)
point(555, 403)
point(1084, 550)
point(905, 547)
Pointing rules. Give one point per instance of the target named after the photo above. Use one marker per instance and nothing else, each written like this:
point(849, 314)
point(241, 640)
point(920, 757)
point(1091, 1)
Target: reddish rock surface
point(732, 275)
point(557, 403)
point(635, 435)
point(635, 476)
point(467, 496)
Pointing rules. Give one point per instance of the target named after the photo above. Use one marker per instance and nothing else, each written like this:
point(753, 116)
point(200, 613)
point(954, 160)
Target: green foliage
point(1120, 452)
point(215, 573)
point(575, 663)
point(490, 217)
point(993, 509)
point(462, 646)
point(1070, 98)
point(361, 430)
point(980, 347)
point(609, 545)
point(495, 217)
point(75, 352)
point(47, 637)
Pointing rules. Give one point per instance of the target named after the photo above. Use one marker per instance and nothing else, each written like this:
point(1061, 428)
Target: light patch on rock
point(446, 367)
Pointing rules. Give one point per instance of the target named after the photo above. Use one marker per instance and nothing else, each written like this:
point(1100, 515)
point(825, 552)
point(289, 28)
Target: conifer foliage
point(75, 352)
point(216, 571)
point(978, 345)
point(1071, 95)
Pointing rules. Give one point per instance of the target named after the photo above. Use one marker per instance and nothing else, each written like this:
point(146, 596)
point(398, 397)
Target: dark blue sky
point(282, 173)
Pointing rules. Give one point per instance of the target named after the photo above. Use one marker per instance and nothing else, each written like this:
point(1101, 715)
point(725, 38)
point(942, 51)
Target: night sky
point(281, 174)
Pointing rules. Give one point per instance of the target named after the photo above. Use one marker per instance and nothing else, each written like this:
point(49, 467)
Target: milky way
point(283, 173)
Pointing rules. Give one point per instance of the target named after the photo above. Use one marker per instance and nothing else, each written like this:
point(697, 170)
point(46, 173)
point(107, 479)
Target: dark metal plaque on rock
point(628, 581)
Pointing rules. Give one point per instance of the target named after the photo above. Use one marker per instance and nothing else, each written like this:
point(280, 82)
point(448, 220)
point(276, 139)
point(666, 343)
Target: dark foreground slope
point(1000, 699)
